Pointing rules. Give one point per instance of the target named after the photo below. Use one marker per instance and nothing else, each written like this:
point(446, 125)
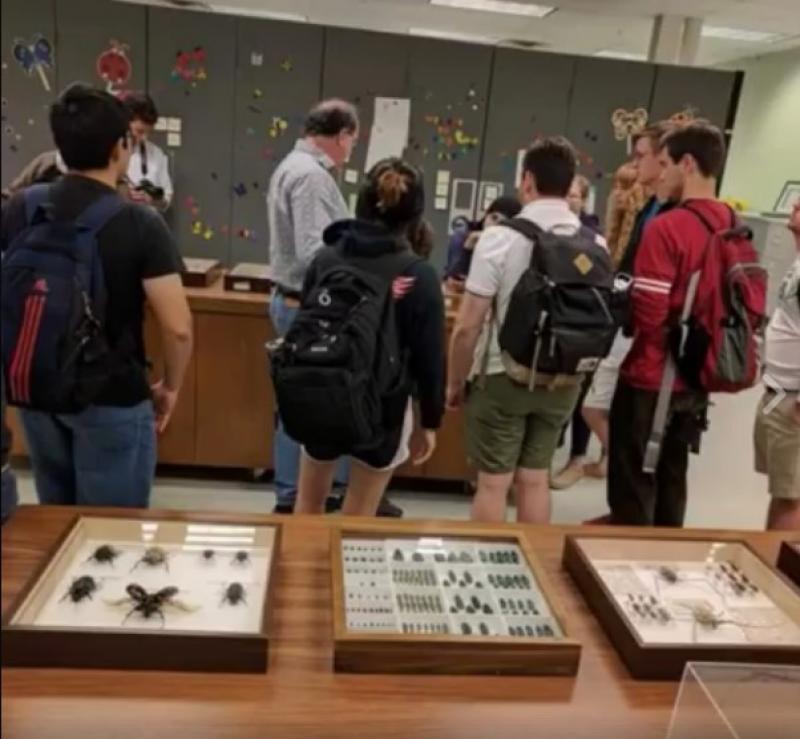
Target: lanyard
point(143, 155)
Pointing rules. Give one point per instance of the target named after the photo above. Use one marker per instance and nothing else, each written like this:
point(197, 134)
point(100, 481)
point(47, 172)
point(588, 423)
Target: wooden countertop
point(302, 697)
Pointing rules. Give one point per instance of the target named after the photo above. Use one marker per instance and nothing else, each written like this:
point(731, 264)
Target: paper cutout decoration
point(33, 56)
point(684, 117)
point(627, 123)
point(190, 66)
point(256, 58)
point(286, 65)
point(240, 190)
point(451, 139)
point(114, 67)
point(278, 127)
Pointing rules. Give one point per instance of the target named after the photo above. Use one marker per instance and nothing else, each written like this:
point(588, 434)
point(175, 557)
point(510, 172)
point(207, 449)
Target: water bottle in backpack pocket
point(55, 354)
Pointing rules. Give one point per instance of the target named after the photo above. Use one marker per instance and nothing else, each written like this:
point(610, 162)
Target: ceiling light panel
point(739, 34)
point(498, 6)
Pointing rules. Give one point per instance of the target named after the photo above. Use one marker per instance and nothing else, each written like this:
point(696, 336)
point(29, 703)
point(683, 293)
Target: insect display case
point(664, 602)
point(445, 602)
point(148, 593)
point(200, 272)
point(789, 561)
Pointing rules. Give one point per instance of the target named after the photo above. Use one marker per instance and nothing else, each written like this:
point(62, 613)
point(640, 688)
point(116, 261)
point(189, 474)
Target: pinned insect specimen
point(153, 557)
point(241, 558)
point(234, 594)
point(151, 604)
point(208, 554)
point(668, 574)
point(104, 554)
point(80, 589)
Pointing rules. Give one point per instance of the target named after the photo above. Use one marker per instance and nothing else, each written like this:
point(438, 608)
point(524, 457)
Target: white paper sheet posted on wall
point(440, 204)
point(389, 134)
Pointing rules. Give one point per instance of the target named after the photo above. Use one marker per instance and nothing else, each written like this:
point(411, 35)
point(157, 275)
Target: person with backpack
point(79, 264)
point(777, 424)
point(536, 316)
point(370, 328)
point(697, 304)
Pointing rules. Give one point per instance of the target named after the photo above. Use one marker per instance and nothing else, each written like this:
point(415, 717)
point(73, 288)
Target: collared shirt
point(149, 162)
point(500, 259)
point(782, 366)
point(302, 201)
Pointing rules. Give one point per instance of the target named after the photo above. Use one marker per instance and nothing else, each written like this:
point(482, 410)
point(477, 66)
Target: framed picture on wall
point(790, 194)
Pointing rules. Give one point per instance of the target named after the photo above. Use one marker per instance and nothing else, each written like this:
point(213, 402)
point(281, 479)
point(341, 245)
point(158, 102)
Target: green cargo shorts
point(509, 426)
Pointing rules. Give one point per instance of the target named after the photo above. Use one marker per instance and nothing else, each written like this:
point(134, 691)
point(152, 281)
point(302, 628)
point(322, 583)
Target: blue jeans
point(286, 451)
point(10, 497)
point(102, 456)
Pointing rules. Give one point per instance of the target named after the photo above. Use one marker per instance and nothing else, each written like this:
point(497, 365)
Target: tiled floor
point(724, 490)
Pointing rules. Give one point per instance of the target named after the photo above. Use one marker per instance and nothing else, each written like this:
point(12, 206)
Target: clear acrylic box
point(737, 701)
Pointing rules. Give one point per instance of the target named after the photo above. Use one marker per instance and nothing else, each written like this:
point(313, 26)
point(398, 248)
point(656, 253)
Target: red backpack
point(715, 344)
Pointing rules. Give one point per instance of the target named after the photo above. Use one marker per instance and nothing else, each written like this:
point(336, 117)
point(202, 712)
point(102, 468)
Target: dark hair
point(421, 237)
point(393, 194)
point(702, 141)
point(141, 107)
point(505, 205)
point(87, 124)
point(330, 118)
point(654, 133)
point(552, 163)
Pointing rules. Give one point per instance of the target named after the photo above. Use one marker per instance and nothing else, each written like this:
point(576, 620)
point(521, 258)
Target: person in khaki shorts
point(777, 425)
point(512, 432)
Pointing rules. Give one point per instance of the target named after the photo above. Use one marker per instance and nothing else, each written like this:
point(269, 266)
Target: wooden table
point(226, 409)
point(301, 697)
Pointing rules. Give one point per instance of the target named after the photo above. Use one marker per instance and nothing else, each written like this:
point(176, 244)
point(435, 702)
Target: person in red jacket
point(692, 158)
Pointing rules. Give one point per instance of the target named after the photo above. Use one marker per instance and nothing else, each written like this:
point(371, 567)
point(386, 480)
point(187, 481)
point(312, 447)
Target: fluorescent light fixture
point(739, 34)
point(452, 36)
point(498, 6)
point(614, 54)
point(274, 15)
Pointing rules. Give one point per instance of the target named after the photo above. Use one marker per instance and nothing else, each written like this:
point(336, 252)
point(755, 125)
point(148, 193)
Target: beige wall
point(765, 149)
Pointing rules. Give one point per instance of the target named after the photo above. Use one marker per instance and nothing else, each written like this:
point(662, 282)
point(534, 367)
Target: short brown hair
point(702, 141)
point(552, 163)
point(583, 185)
point(654, 133)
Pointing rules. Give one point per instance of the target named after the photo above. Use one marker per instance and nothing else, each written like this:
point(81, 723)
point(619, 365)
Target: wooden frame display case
point(789, 561)
point(249, 277)
point(665, 602)
point(472, 601)
point(200, 272)
point(148, 593)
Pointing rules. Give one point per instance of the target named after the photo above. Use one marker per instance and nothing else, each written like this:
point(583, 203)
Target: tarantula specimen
point(151, 604)
point(242, 557)
point(80, 589)
point(153, 557)
point(104, 554)
point(234, 594)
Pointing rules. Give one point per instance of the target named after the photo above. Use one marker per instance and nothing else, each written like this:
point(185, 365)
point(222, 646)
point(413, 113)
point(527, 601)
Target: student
point(46, 167)
point(572, 472)
point(777, 424)
point(660, 198)
point(624, 202)
point(391, 199)
point(302, 201)
point(462, 243)
point(9, 497)
point(106, 453)
point(512, 432)
point(148, 171)
point(691, 158)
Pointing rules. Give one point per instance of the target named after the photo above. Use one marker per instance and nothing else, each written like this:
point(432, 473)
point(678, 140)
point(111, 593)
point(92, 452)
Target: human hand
point(140, 196)
point(423, 445)
point(454, 396)
point(164, 401)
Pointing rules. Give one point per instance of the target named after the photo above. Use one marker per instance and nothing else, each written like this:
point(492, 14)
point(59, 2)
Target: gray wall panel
point(86, 29)
point(707, 92)
point(201, 166)
point(282, 81)
point(600, 87)
point(25, 100)
point(449, 81)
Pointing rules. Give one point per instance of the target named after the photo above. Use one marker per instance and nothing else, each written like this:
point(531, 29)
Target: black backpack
point(564, 312)
point(340, 377)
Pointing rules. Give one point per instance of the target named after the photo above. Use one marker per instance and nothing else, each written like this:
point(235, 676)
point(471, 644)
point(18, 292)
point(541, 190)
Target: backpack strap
point(530, 230)
point(89, 223)
point(36, 198)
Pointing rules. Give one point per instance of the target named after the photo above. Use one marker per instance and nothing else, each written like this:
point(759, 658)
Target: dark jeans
point(637, 498)
point(9, 496)
point(102, 456)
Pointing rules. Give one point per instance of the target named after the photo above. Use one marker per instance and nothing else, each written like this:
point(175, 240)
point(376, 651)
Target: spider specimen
point(104, 554)
point(153, 557)
point(234, 594)
point(81, 588)
point(150, 604)
point(241, 557)
point(668, 574)
point(208, 554)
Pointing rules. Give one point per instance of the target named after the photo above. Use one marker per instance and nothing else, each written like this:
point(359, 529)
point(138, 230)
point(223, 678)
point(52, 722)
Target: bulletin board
point(520, 113)
point(103, 44)
point(277, 81)
point(25, 82)
point(449, 91)
point(600, 88)
point(190, 70)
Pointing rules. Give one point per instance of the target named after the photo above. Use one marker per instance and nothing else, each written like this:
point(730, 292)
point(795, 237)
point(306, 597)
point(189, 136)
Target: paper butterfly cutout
point(683, 117)
point(190, 65)
point(34, 55)
point(627, 123)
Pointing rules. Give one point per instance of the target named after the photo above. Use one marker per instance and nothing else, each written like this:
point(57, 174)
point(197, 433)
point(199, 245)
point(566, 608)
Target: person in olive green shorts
point(512, 432)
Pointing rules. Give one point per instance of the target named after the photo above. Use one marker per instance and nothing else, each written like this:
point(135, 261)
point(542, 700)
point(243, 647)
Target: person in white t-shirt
point(148, 171)
point(512, 432)
point(777, 426)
